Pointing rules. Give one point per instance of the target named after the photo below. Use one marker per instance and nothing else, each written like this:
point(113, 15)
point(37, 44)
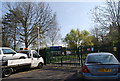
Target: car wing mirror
point(13, 53)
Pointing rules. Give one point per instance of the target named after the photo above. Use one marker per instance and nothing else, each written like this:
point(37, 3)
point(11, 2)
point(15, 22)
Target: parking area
point(49, 72)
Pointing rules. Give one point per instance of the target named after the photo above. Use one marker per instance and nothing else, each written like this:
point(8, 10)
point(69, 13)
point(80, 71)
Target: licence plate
point(104, 70)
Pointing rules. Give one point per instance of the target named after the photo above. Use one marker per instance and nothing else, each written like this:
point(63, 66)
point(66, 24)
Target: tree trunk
point(14, 38)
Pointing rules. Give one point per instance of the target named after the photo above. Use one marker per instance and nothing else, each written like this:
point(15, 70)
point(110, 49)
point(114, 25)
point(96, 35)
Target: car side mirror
point(38, 56)
point(13, 53)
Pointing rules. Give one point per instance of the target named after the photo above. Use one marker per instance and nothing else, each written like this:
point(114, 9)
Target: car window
point(35, 54)
point(27, 52)
point(8, 51)
point(102, 59)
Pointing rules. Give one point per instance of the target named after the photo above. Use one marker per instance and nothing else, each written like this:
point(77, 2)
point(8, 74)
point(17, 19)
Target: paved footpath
point(47, 73)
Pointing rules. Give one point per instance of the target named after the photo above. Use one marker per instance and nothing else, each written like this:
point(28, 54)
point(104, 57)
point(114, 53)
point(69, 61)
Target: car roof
point(27, 50)
point(24, 50)
point(101, 53)
point(5, 48)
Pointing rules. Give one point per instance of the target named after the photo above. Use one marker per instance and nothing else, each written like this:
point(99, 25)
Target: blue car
point(100, 66)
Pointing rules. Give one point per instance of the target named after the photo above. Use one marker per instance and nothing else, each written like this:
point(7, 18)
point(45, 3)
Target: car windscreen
point(102, 59)
point(35, 54)
point(26, 52)
point(8, 51)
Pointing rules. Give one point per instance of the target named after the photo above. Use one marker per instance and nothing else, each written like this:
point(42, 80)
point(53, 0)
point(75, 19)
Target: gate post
point(81, 57)
point(118, 51)
point(81, 48)
point(78, 54)
point(61, 61)
point(45, 56)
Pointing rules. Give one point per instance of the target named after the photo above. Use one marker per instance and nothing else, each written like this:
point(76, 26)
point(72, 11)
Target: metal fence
point(76, 57)
point(64, 56)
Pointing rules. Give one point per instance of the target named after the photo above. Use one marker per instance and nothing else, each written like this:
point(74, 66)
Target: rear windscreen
point(102, 59)
point(26, 52)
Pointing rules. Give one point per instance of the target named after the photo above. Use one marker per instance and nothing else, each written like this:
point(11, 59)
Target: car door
point(0, 57)
point(35, 59)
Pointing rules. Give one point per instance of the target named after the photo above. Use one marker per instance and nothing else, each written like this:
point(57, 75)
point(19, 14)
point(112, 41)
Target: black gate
point(75, 57)
point(64, 56)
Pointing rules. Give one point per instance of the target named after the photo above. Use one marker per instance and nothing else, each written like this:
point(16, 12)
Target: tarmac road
point(47, 73)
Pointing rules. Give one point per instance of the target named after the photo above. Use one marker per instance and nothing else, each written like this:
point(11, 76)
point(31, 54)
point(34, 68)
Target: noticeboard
point(55, 48)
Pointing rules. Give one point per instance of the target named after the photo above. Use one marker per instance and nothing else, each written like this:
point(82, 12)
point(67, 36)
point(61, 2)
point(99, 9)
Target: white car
point(8, 54)
point(38, 61)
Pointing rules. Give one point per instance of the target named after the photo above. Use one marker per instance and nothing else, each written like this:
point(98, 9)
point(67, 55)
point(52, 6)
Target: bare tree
point(29, 16)
point(104, 16)
point(53, 35)
point(95, 34)
point(0, 36)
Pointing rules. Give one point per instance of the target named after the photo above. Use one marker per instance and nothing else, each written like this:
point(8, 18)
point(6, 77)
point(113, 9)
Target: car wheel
point(40, 65)
point(7, 72)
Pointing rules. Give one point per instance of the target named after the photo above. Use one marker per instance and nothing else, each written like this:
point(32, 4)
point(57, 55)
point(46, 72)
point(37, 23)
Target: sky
point(73, 15)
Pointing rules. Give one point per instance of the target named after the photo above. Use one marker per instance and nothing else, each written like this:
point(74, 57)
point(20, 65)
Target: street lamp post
point(38, 41)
